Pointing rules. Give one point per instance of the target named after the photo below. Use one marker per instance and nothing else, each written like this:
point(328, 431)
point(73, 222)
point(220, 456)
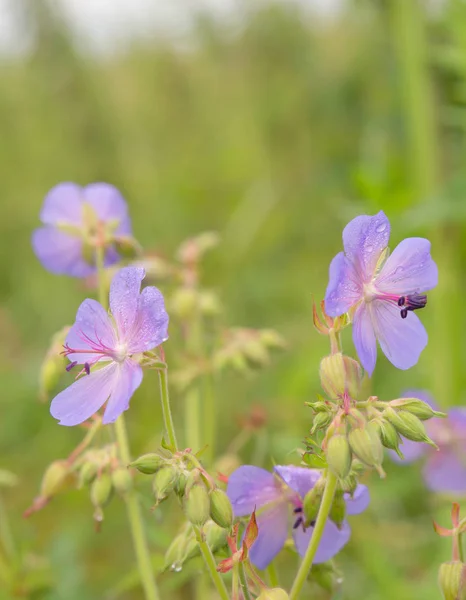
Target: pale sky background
point(105, 26)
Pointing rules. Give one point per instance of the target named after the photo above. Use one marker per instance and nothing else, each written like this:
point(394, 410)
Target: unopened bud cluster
point(178, 474)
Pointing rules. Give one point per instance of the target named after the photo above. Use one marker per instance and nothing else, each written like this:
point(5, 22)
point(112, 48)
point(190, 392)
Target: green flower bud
point(388, 435)
point(349, 484)
point(196, 504)
point(320, 421)
point(273, 594)
point(452, 580)
point(366, 445)
point(57, 477)
point(183, 548)
point(338, 455)
point(164, 482)
point(101, 490)
point(216, 536)
point(180, 485)
point(408, 425)
point(416, 407)
point(221, 511)
point(338, 510)
point(122, 480)
point(148, 463)
point(312, 501)
point(340, 374)
point(325, 576)
point(87, 473)
point(127, 247)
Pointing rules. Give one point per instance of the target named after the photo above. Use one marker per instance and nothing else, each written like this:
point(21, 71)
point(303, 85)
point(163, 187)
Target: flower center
point(120, 353)
point(406, 303)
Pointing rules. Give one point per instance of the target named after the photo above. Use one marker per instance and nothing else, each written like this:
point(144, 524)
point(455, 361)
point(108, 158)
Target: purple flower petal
point(344, 289)
point(333, 540)
point(457, 420)
point(445, 471)
point(364, 338)
point(401, 340)
point(63, 204)
point(84, 397)
point(273, 531)
point(364, 239)
point(411, 451)
point(124, 298)
point(409, 270)
point(92, 330)
point(358, 502)
point(60, 253)
point(150, 328)
point(109, 204)
point(299, 479)
point(127, 379)
point(250, 487)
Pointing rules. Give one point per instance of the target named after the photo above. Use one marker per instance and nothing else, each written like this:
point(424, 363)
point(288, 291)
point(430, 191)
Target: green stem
point(211, 564)
point(193, 395)
point(167, 413)
point(305, 567)
point(273, 575)
point(6, 536)
point(209, 412)
point(132, 504)
point(243, 582)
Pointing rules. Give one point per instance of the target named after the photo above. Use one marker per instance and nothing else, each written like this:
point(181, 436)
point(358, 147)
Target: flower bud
point(216, 536)
point(87, 473)
point(164, 482)
point(338, 509)
point(148, 463)
point(101, 490)
point(320, 421)
point(197, 504)
point(127, 247)
point(180, 485)
point(57, 477)
point(388, 434)
point(416, 407)
point(183, 548)
point(122, 480)
point(338, 454)
point(366, 445)
point(273, 594)
point(452, 580)
point(221, 511)
point(340, 374)
point(408, 425)
point(312, 501)
point(325, 576)
point(53, 365)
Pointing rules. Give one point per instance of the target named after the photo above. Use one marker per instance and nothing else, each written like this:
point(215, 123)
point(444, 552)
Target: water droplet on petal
point(380, 228)
point(369, 248)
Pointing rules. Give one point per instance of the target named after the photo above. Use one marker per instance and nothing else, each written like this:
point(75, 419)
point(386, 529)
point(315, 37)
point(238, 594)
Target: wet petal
point(364, 338)
point(401, 340)
point(127, 379)
point(273, 531)
point(411, 451)
point(93, 330)
point(358, 502)
point(150, 327)
point(124, 298)
point(299, 479)
point(364, 239)
point(250, 487)
point(60, 253)
point(409, 270)
point(63, 204)
point(344, 289)
point(333, 540)
point(84, 397)
point(109, 204)
point(445, 471)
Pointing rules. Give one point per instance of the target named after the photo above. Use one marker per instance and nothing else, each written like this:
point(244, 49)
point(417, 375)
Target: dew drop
point(369, 248)
point(176, 566)
point(380, 228)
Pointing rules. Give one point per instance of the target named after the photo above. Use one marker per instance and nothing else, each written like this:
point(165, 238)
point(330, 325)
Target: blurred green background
point(273, 127)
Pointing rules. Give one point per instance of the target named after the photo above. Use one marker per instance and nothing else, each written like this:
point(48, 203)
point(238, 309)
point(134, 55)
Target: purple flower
point(444, 469)
point(105, 344)
point(383, 290)
point(76, 217)
point(278, 500)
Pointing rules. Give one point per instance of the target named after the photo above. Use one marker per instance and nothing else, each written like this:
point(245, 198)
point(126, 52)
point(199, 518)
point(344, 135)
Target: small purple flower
point(444, 469)
point(278, 500)
point(383, 290)
point(73, 217)
point(105, 344)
